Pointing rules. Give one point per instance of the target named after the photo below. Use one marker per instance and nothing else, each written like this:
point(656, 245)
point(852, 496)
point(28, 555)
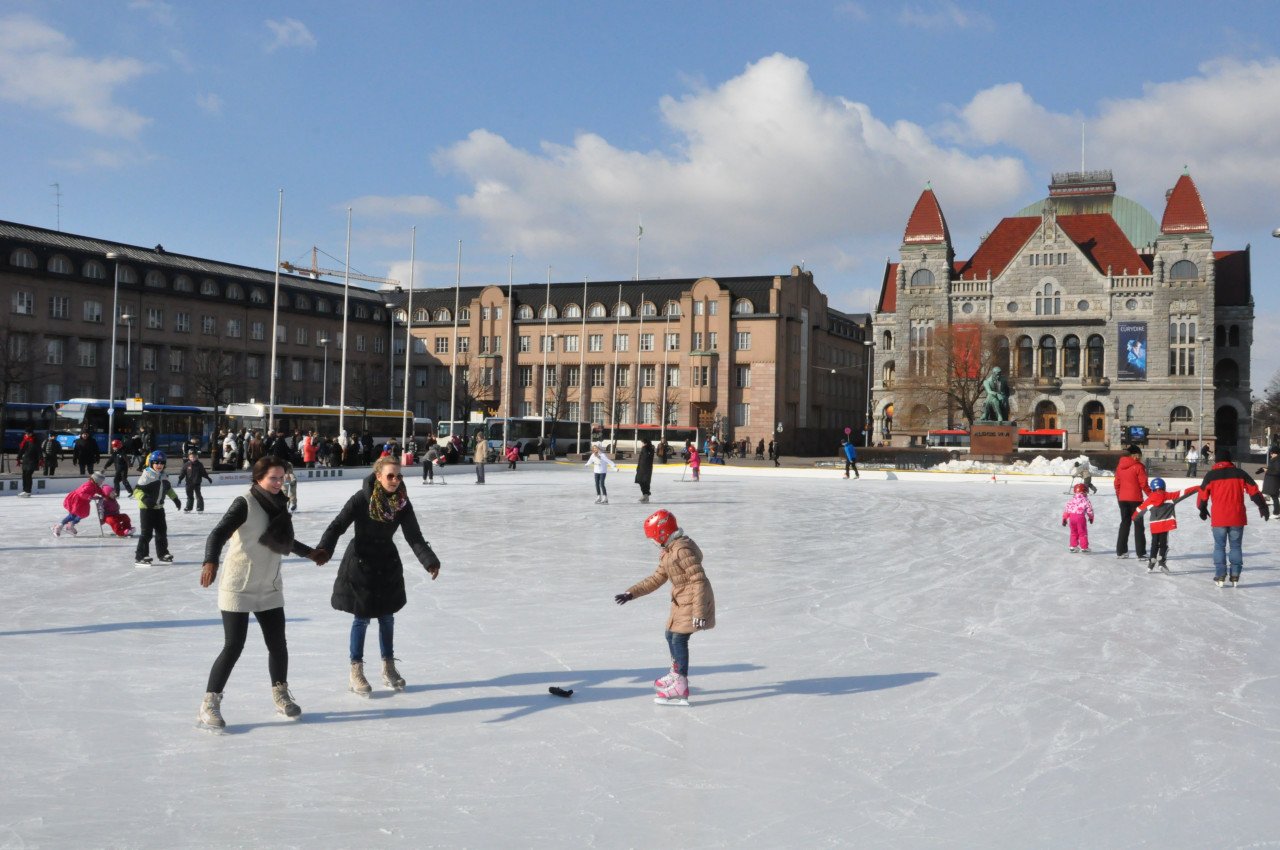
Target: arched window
point(302, 302)
point(1002, 353)
point(23, 259)
point(743, 306)
point(155, 280)
point(59, 264)
point(258, 296)
point(1226, 374)
point(1048, 300)
point(95, 270)
point(886, 341)
point(182, 283)
point(1094, 350)
point(671, 308)
point(1184, 270)
point(886, 374)
point(209, 287)
point(547, 311)
point(284, 299)
point(1071, 356)
point(443, 315)
point(1025, 352)
point(401, 316)
point(573, 311)
point(622, 308)
point(235, 292)
point(361, 312)
point(1048, 357)
point(922, 277)
point(524, 311)
point(1219, 336)
point(1180, 415)
point(648, 309)
point(322, 306)
point(596, 311)
point(1233, 335)
point(464, 314)
point(421, 315)
point(1128, 412)
point(127, 275)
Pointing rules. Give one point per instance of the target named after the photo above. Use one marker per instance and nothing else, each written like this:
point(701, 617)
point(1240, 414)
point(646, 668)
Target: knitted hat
point(1222, 456)
point(98, 478)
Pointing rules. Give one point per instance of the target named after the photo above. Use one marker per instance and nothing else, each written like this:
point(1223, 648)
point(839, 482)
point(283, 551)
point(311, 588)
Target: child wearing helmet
point(153, 488)
point(1075, 514)
point(1160, 504)
point(111, 515)
point(119, 459)
point(693, 605)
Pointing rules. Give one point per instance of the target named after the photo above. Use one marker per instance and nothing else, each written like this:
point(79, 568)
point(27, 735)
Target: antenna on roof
point(57, 202)
point(1082, 146)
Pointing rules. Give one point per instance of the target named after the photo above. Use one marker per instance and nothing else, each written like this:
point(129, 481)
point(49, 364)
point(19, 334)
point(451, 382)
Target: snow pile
point(1038, 465)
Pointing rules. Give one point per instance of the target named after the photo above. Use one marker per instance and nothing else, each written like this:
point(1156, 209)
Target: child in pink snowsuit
point(1075, 514)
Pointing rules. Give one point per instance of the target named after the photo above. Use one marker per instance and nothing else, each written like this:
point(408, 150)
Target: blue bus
point(21, 415)
point(171, 425)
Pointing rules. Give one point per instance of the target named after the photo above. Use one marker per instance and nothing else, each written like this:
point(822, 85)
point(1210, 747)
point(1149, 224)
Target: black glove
point(429, 560)
point(1064, 522)
point(560, 692)
point(1204, 512)
point(1263, 510)
point(622, 598)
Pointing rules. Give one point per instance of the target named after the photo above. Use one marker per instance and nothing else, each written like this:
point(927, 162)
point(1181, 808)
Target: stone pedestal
point(993, 438)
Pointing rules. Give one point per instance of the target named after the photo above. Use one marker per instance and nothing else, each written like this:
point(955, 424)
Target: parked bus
point(1042, 439)
point(21, 415)
point(466, 431)
point(953, 439)
point(627, 437)
point(171, 425)
point(570, 438)
point(382, 424)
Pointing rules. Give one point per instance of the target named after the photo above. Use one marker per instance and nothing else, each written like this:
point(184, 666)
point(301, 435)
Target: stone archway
point(1045, 416)
point(1226, 427)
point(1093, 422)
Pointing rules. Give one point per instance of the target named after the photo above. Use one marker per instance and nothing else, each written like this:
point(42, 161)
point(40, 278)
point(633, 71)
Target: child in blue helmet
point(153, 487)
point(1161, 504)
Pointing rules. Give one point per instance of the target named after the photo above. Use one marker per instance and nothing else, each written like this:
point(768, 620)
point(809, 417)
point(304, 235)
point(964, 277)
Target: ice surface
point(897, 663)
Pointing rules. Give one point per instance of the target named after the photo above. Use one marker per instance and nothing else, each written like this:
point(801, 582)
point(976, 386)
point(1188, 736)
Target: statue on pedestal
point(996, 408)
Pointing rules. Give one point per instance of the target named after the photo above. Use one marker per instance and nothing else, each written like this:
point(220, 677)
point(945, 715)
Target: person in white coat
point(260, 531)
point(600, 464)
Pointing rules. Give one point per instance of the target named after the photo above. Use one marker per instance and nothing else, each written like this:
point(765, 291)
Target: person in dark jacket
point(1222, 495)
point(28, 460)
point(153, 488)
point(1271, 477)
point(370, 581)
point(644, 467)
point(52, 451)
point(1131, 489)
point(119, 458)
point(850, 458)
point(192, 473)
point(85, 453)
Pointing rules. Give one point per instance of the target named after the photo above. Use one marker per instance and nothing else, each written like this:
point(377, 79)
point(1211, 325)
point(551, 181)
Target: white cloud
point(289, 32)
point(943, 15)
point(852, 11)
point(385, 206)
point(40, 69)
point(767, 172)
point(159, 11)
point(210, 103)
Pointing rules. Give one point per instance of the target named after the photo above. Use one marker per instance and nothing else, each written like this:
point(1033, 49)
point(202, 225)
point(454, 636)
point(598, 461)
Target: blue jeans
point(70, 518)
point(386, 636)
point(600, 488)
point(679, 645)
point(1222, 537)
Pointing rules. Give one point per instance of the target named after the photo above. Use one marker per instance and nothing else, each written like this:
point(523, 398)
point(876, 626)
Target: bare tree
point(19, 370)
point(216, 378)
point(1266, 412)
point(946, 375)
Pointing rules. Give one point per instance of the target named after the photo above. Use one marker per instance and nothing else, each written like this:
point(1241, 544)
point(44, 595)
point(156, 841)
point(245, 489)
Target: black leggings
point(235, 628)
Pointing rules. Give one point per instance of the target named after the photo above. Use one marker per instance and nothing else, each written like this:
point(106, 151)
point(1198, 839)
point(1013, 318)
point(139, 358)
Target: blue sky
point(746, 136)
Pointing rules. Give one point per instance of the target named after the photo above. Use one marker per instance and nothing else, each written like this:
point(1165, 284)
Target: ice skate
point(391, 676)
point(604, 500)
point(665, 681)
point(167, 558)
point(1164, 568)
point(1151, 565)
point(1073, 549)
point(1219, 580)
point(70, 528)
point(1084, 549)
point(359, 684)
point(1235, 580)
point(676, 693)
point(284, 700)
point(57, 530)
point(597, 500)
point(142, 562)
point(210, 714)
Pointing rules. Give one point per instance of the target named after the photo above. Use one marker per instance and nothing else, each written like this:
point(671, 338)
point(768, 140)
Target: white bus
point(569, 438)
point(627, 438)
point(380, 423)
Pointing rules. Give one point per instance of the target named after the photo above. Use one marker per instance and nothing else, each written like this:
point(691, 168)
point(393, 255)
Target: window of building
point(252, 366)
point(1182, 345)
point(154, 280)
point(442, 315)
point(621, 342)
point(646, 342)
point(419, 345)
point(551, 377)
point(88, 350)
point(648, 376)
point(59, 307)
point(1233, 335)
point(360, 346)
point(484, 313)
point(95, 270)
point(572, 377)
point(698, 308)
point(524, 311)
point(59, 264)
point(464, 314)
point(524, 343)
point(176, 359)
point(622, 309)
point(52, 393)
point(623, 375)
point(282, 333)
point(1184, 270)
point(741, 415)
point(647, 308)
point(623, 412)
point(182, 322)
point(671, 341)
point(573, 311)
point(155, 318)
point(743, 306)
point(525, 376)
point(547, 343)
point(571, 343)
point(742, 341)
point(1094, 351)
point(648, 413)
point(742, 376)
point(548, 311)
point(1048, 357)
point(1179, 417)
point(495, 344)
point(596, 311)
point(922, 277)
point(442, 345)
point(209, 287)
point(256, 295)
point(257, 330)
point(595, 342)
point(1071, 356)
point(596, 375)
point(302, 302)
point(300, 336)
point(182, 283)
point(150, 358)
point(464, 344)
point(597, 411)
point(233, 328)
point(701, 376)
point(713, 341)
point(93, 311)
point(1048, 300)
point(921, 347)
point(378, 345)
point(671, 308)
point(23, 259)
point(697, 341)
point(24, 303)
point(673, 376)
point(209, 325)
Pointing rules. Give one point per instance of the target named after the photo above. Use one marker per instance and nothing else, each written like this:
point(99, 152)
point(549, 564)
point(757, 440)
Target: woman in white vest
point(260, 532)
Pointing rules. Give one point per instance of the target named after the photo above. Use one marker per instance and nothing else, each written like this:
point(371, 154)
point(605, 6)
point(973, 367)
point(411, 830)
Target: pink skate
point(676, 693)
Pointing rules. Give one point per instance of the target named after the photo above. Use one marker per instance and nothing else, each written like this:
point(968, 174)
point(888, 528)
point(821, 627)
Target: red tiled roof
point(999, 248)
point(1104, 243)
point(1184, 211)
point(889, 289)
point(1232, 287)
point(926, 223)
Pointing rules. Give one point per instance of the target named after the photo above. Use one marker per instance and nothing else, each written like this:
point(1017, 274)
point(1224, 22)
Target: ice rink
point(897, 663)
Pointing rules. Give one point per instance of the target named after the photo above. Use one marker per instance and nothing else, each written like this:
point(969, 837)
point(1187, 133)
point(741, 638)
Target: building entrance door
point(1094, 426)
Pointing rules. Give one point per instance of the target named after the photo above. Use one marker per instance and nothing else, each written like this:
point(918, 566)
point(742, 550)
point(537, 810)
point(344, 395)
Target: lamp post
point(868, 348)
point(128, 354)
point(324, 380)
point(115, 322)
point(391, 354)
point(1202, 340)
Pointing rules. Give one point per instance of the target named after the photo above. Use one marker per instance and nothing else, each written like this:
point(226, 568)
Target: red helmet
point(1079, 488)
point(660, 526)
point(116, 444)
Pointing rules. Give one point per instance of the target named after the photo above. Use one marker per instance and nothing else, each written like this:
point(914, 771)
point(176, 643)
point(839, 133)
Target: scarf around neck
point(384, 506)
point(279, 534)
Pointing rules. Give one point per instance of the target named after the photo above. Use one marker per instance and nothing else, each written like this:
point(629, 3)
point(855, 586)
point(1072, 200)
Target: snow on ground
point(897, 663)
point(1037, 465)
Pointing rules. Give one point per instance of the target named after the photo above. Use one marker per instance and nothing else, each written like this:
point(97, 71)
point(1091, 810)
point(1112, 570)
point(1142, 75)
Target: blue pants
point(601, 490)
point(1224, 537)
point(70, 518)
point(386, 636)
point(679, 646)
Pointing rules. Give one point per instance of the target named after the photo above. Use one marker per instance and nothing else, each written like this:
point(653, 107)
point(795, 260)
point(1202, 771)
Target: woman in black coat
point(1271, 479)
point(29, 460)
point(644, 467)
point(370, 581)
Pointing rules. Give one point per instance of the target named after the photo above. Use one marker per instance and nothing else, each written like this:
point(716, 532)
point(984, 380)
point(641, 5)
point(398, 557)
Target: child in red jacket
point(1161, 504)
point(111, 515)
point(1078, 510)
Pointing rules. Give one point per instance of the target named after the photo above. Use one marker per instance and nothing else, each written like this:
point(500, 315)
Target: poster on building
point(1132, 352)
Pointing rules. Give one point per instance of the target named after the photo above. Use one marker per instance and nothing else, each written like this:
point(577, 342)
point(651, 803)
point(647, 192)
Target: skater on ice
point(260, 532)
point(1080, 469)
point(1131, 488)
point(370, 580)
point(1161, 504)
point(1075, 514)
point(644, 467)
point(111, 515)
point(601, 465)
point(153, 488)
point(79, 504)
point(693, 604)
point(850, 458)
point(694, 459)
point(119, 459)
point(192, 473)
point(1222, 495)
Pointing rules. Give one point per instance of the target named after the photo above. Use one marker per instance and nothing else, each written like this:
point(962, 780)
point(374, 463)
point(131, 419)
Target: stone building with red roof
point(1101, 318)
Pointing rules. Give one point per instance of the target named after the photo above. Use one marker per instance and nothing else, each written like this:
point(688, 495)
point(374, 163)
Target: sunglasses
point(393, 476)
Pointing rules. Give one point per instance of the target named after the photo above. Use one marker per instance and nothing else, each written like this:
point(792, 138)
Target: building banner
point(1132, 352)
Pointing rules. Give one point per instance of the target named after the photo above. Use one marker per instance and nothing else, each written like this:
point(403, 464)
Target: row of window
point(698, 376)
point(596, 310)
point(24, 303)
point(595, 342)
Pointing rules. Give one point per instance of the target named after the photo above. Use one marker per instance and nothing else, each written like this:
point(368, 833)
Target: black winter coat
point(29, 456)
point(1271, 482)
point(370, 581)
point(644, 464)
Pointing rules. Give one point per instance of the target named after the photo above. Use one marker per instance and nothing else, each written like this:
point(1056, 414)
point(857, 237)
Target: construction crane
point(315, 271)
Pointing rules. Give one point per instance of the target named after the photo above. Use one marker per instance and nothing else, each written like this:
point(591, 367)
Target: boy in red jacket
point(1222, 494)
point(1160, 504)
point(1131, 488)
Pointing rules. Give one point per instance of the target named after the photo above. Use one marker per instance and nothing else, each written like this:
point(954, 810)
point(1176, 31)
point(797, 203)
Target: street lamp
point(391, 354)
point(869, 347)
point(324, 381)
point(115, 322)
point(1202, 340)
point(128, 354)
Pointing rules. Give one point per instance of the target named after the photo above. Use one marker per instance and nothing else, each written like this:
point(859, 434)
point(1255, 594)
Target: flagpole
point(636, 413)
point(346, 292)
point(408, 338)
point(639, 235)
point(453, 381)
point(666, 331)
point(582, 366)
point(546, 328)
point(613, 390)
point(511, 348)
point(275, 317)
